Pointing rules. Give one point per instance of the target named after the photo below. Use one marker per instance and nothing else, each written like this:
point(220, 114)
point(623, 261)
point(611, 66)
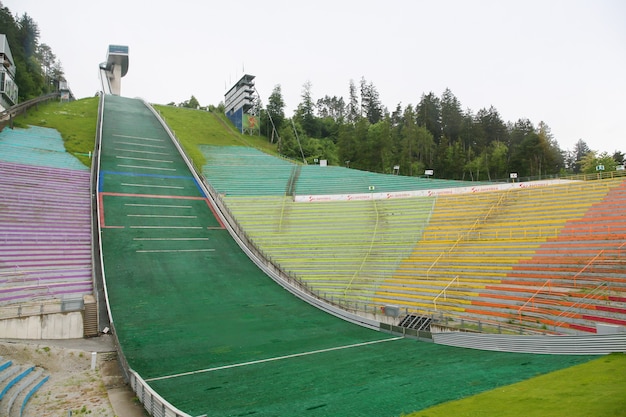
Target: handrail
point(586, 266)
point(104, 81)
point(369, 250)
point(580, 303)
point(549, 281)
point(103, 311)
point(22, 107)
point(282, 214)
point(576, 177)
point(465, 234)
point(523, 233)
point(37, 308)
point(445, 252)
point(444, 291)
point(519, 311)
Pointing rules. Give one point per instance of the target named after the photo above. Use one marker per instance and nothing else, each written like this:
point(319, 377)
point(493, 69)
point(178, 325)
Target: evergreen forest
point(435, 134)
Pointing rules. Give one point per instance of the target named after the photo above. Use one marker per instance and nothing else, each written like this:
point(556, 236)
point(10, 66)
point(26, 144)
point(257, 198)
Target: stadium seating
point(239, 170)
point(506, 257)
point(18, 383)
point(244, 171)
point(341, 249)
point(45, 221)
point(36, 146)
point(499, 269)
point(318, 180)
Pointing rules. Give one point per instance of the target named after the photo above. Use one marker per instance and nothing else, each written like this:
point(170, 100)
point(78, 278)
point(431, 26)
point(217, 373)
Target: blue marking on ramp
point(195, 181)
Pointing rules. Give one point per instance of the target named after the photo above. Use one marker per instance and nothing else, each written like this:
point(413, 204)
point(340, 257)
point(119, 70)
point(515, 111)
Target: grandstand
point(45, 252)
point(201, 327)
point(45, 230)
point(487, 263)
point(245, 171)
point(18, 383)
point(524, 251)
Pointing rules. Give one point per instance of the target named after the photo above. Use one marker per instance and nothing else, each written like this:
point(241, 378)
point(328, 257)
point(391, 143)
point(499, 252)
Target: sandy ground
point(73, 385)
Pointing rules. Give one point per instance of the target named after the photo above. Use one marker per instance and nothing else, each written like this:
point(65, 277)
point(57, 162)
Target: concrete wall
point(48, 326)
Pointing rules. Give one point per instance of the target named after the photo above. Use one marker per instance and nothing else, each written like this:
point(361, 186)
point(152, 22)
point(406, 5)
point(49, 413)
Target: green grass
point(196, 127)
point(76, 121)
point(595, 388)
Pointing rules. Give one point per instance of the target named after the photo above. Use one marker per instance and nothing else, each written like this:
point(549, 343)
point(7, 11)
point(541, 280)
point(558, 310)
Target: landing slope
point(213, 335)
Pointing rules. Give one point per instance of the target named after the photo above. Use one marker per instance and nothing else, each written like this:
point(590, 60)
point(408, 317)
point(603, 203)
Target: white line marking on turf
point(171, 238)
point(144, 159)
point(145, 145)
point(178, 187)
point(138, 137)
point(140, 167)
point(174, 250)
point(162, 216)
point(141, 151)
point(156, 205)
point(278, 358)
point(166, 227)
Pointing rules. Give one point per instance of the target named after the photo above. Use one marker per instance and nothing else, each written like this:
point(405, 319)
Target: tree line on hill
point(360, 132)
point(38, 71)
point(435, 134)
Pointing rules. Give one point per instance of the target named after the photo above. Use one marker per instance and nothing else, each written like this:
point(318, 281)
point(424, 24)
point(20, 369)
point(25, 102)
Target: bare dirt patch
point(72, 384)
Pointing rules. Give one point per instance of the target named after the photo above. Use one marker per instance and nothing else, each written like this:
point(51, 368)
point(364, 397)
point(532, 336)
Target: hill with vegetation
point(594, 388)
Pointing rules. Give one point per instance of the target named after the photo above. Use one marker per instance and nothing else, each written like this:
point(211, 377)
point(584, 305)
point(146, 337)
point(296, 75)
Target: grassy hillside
point(196, 127)
point(76, 121)
point(595, 388)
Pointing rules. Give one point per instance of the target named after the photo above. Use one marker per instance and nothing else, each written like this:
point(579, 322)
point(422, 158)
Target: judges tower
point(241, 103)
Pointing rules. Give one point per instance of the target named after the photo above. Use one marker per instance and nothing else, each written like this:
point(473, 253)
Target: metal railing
point(583, 303)
point(548, 284)
point(154, 404)
point(7, 116)
point(369, 249)
point(443, 292)
point(573, 177)
point(41, 308)
point(465, 235)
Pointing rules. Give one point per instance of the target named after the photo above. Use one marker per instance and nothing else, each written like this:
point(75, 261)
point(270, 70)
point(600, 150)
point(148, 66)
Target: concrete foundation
point(45, 326)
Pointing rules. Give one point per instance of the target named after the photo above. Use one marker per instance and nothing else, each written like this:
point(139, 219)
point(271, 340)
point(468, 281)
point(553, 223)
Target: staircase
point(417, 322)
point(18, 383)
point(45, 233)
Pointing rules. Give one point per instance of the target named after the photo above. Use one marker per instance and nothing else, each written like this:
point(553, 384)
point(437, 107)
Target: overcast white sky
point(558, 61)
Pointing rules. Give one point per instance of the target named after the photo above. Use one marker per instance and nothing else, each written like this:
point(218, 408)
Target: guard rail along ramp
point(554, 345)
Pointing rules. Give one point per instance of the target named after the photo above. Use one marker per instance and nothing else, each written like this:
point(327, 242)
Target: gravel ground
point(72, 384)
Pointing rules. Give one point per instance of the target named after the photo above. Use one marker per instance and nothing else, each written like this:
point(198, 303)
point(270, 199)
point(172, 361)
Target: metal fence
point(154, 404)
point(41, 308)
point(7, 116)
point(541, 344)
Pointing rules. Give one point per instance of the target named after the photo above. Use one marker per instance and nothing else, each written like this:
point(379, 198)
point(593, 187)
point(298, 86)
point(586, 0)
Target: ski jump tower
point(115, 67)
point(241, 105)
